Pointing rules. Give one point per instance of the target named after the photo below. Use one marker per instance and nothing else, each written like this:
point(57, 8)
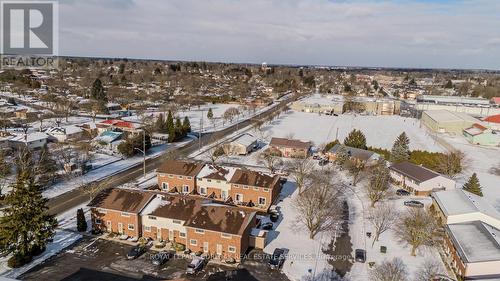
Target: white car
point(195, 265)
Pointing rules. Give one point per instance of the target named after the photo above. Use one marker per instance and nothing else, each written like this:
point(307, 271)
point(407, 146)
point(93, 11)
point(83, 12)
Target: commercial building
point(468, 105)
point(444, 121)
point(480, 135)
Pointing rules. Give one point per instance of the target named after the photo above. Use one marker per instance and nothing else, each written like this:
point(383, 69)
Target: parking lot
point(99, 259)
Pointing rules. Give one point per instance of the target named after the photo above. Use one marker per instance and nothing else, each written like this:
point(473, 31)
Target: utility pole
point(144, 151)
point(201, 129)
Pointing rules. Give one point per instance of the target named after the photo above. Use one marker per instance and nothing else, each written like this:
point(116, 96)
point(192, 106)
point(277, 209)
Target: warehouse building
point(444, 121)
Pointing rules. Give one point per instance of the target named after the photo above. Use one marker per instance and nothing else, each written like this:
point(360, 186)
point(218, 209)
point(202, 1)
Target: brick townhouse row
point(214, 229)
point(238, 186)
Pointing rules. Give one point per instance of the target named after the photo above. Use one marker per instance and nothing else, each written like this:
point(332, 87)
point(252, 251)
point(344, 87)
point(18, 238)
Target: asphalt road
point(71, 199)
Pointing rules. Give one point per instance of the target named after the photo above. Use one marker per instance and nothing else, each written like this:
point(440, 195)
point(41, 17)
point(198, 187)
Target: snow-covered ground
point(107, 170)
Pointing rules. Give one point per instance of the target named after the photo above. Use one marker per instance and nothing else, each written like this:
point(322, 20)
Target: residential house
point(178, 176)
point(290, 148)
point(493, 121)
point(360, 155)
point(418, 179)
point(472, 235)
point(65, 133)
point(213, 181)
point(120, 125)
point(214, 229)
point(480, 135)
point(254, 189)
point(241, 145)
point(32, 140)
point(117, 210)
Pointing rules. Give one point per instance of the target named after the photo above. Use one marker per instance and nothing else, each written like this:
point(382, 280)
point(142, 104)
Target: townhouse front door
point(158, 233)
point(108, 226)
point(171, 235)
point(120, 228)
point(219, 249)
point(205, 247)
point(223, 195)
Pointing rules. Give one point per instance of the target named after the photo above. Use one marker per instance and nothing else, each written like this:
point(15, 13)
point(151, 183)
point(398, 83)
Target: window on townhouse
point(98, 221)
point(255, 188)
point(231, 249)
point(185, 189)
point(193, 242)
point(176, 221)
point(266, 189)
point(239, 198)
point(147, 228)
point(189, 178)
point(203, 190)
point(225, 235)
point(200, 231)
point(218, 181)
point(152, 217)
point(245, 187)
point(180, 177)
point(171, 176)
point(209, 180)
point(164, 186)
point(236, 185)
point(125, 214)
point(199, 179)
point(182, 234)
point(262, 201)
point(131, 227)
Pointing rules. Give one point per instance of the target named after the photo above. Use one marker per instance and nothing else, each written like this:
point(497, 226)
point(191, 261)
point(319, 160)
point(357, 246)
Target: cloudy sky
point(398, 33)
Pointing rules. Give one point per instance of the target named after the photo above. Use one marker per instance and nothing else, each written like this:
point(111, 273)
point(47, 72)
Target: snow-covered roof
point(475, 241)
point(109, 136)
point(31, 137)
point(66, 130)
point(245, 139)
point(458, 201)
point(217, 172)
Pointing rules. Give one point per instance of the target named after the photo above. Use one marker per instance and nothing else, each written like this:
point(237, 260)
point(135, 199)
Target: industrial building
point(444, 121)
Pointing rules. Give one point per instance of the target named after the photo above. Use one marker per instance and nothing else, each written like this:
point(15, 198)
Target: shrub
point(81, 223)
point(179, 247)
point(18, 260)
point(37, 250)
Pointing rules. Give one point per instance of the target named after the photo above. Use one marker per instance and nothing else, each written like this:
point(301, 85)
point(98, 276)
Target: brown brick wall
point(251, 194)
point(459, 267)
point(214, 238)
point(115, 217)
point(175, 181)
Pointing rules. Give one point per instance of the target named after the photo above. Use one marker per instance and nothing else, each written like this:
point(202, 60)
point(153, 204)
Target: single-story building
point(241, 145)
point(32, 140)
point(361, 155)
point(480, 135)
point(418, 179)
point(291, 148)
point(62, 134)
point(444, 121)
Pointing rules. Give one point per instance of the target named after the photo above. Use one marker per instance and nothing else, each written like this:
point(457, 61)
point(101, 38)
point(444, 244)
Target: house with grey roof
point(361, 155)
point(241, 145)
point(419, 180)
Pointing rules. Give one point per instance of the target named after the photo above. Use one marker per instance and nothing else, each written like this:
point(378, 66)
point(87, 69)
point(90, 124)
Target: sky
point(374, 33)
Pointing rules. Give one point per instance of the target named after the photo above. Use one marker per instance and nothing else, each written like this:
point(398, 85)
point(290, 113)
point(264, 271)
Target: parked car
point(402, 192)
point(195, 265)
point(274, 216)
point(283, 180)
point(414, 203)
point(161, 257)
point(360, 255)
point(277, 259)
point(316, 157)
point(323, 162)
point(266, 226)
point(335, 114)
point(136, 252)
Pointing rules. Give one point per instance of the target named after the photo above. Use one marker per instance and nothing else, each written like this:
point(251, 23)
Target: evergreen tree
point(161, 125)
point(179, 131)
point(81, 223)
point(356, 139)
point(400, 149)
point(25, 227)
point(97, 91)
point(170, 127)
point(473, 186)
point(186, 125)
point(210, 114)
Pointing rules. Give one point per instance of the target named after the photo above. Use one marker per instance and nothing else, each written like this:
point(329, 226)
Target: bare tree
point(382, 219)
point(378, 188)
point(299, 169)
point(390, 270)
point(214, 153)
point(451, 163)
point(418, 228)
point(91, 189)
point(429, 270)
point(356, 169)
point(318, 206)
point(271, 161)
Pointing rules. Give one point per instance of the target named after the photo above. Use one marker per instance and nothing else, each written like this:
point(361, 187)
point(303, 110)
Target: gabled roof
point(123, 200)
point(215, 172)
point(415, 172)
point(282, 142)
point(493, 118)
point(357, 153)
point(245, 139)
point(182, 168)
point(253, 178)
point(201, 213)
point(495, 100)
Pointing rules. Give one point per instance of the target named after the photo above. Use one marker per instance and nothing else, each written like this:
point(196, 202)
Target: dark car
point(402, 192)
point(360, 255)
point(277, 258)
point(136, 252)
point(161, 257)
point(267, 226)
point(414, 203)
point(323, 162)
point(283, 180)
